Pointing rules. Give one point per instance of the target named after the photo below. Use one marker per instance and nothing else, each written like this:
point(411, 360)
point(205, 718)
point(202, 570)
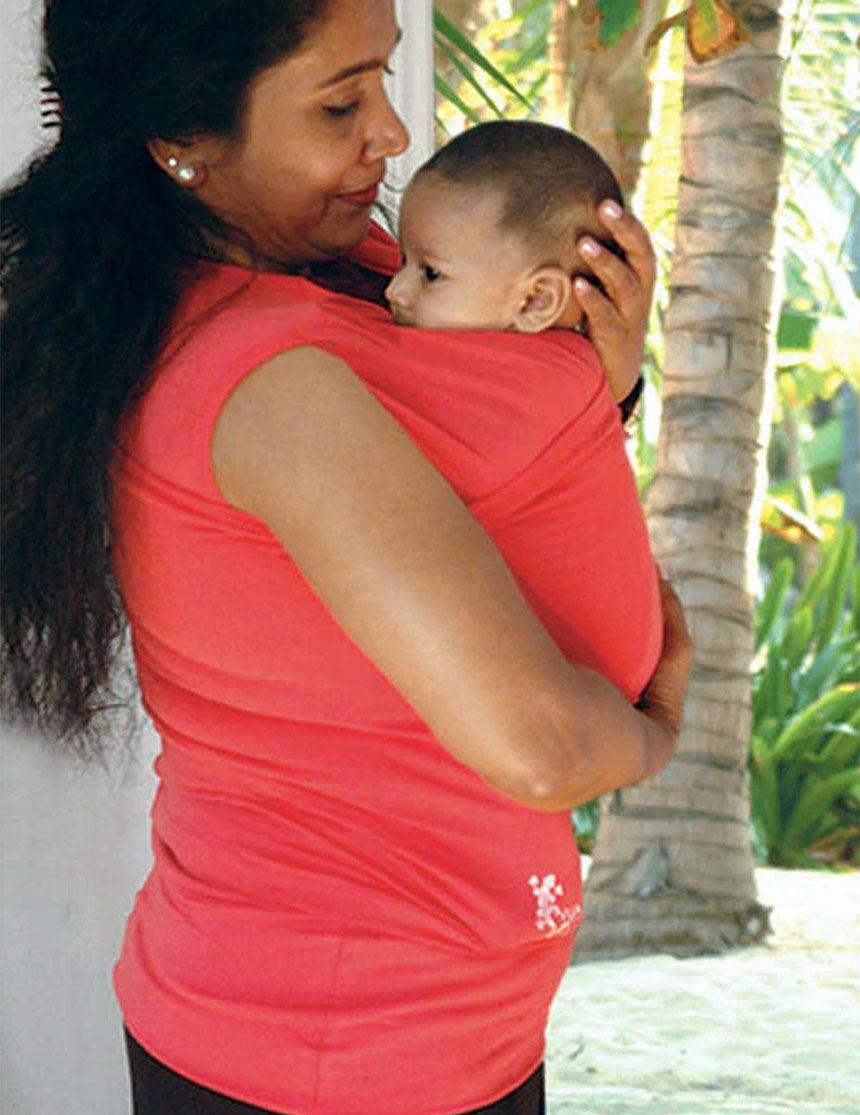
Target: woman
point(357, 746)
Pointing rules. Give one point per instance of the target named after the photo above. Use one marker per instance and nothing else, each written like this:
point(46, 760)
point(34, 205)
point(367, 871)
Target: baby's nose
point(395, 292)
point(389, 292)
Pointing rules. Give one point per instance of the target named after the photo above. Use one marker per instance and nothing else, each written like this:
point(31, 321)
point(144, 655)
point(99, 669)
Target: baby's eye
point(339, 111)
point(430, 273)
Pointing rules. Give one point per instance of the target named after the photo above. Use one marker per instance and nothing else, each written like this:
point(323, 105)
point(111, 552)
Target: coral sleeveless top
point(343, 919)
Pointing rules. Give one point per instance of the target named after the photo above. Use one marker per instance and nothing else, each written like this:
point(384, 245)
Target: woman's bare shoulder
point(281, 415)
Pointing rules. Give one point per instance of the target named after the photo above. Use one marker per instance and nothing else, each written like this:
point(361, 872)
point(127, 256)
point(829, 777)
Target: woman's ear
point(546, 298)
point(187, 163)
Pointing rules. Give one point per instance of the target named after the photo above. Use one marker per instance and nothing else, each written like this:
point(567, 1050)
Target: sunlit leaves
point(713, 29)
point(611, 19)
point(445, 28)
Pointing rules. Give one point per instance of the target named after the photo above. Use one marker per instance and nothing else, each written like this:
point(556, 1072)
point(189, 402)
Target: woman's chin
point(357, 227)
point(346, 237)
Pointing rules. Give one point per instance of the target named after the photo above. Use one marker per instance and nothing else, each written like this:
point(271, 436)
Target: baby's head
point(489, 225)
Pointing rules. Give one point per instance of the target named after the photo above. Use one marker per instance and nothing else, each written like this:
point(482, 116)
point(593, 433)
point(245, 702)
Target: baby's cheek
point(433, 313)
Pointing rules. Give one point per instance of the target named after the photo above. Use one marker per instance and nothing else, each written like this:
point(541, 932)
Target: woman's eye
point(389, 70)
point(431, 274)
point(339, 111)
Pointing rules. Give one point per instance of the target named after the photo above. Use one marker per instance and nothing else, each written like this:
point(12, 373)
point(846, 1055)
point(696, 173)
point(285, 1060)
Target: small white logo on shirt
point(552, 918)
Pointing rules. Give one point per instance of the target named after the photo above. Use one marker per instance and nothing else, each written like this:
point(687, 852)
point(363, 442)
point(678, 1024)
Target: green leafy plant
point(585, 821)
point(473, 67)
point(805, 744)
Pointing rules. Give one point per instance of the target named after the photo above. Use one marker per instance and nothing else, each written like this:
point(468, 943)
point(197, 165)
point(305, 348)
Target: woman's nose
point(389, 136)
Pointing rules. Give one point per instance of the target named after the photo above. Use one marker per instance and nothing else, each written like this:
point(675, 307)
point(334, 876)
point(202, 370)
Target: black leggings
point(157, 1090)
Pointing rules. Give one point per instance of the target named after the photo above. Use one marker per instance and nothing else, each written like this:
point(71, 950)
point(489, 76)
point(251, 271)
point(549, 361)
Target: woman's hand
point(663, 699)
point(618, 320)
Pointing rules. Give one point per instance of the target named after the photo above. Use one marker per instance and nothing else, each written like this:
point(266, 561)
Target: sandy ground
point(759, 1031)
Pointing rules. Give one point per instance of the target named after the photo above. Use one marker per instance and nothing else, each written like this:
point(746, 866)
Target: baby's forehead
point(494, 208)
point(458, 220)
point(439, 215)
point(443, 197)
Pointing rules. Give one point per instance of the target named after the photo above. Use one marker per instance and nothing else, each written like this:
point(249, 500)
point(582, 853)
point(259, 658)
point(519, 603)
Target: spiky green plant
point(805, 744)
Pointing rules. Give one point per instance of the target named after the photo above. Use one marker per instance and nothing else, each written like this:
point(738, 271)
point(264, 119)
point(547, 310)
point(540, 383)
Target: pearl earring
point(183, 173)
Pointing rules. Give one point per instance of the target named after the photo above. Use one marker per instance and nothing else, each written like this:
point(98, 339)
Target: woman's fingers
point(618, 339)
point(622, 284)
point(667, 688)
point(617, 316)
point(606, 327)
point(603, 314)
point(629, 285)
point(631, 235)
point(677, 639)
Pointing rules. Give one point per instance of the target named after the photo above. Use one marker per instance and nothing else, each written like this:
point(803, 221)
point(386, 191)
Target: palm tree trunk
point(464, 14)
point(610, 96)
point(558, 46)
point(460, 12)
point(673, 865)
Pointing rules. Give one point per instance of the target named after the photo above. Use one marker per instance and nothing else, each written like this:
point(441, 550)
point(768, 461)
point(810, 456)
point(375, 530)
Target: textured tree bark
point(610, 96)
point(673, 865)
point(464, 14)
point(558, 45)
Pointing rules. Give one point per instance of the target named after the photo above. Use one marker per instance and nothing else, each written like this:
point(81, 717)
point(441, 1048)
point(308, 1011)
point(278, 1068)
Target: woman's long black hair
point(97, 243)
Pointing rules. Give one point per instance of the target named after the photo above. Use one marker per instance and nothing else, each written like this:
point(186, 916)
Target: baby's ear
point(546, 297)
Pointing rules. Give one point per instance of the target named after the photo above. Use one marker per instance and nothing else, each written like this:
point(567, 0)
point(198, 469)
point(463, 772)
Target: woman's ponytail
point(97, 244)
point(89, 286)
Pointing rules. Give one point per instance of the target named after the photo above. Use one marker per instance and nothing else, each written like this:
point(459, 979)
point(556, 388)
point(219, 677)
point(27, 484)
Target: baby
point(489, 227)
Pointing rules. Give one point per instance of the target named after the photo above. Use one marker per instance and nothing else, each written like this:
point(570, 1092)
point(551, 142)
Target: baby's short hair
point(546, 176)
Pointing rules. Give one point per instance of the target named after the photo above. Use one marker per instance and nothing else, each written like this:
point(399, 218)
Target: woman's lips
point(363, 197)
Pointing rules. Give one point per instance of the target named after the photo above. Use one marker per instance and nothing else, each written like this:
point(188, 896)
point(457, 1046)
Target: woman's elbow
point(552, 761)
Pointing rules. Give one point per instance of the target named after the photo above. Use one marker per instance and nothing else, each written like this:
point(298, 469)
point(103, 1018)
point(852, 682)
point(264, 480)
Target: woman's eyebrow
point(359, 67)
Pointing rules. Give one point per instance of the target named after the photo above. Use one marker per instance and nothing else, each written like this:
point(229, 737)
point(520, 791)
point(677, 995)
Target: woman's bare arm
point(417, 584)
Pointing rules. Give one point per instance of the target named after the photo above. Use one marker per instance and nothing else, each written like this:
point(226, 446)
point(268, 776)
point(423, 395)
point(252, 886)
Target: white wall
point(75, 842)
point(411, 86)
point(75, 848)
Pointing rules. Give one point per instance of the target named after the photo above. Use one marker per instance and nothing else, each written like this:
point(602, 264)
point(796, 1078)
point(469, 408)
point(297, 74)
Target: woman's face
point(317, 130)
